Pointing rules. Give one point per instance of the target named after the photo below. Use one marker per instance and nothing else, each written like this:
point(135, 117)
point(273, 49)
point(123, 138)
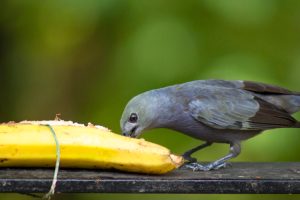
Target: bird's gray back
point(280, 97)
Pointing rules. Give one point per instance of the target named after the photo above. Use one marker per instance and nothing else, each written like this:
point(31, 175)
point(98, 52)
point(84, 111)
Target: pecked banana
point(30, 144)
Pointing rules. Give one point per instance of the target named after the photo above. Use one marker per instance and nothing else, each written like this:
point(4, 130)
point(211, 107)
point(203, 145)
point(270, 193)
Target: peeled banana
point(31, 144)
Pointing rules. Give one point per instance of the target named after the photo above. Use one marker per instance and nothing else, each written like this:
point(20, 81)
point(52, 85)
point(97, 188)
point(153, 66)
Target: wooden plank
point(243, 178)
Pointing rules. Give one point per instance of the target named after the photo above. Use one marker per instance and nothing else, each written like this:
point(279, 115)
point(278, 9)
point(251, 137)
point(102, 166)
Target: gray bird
point(216, 111)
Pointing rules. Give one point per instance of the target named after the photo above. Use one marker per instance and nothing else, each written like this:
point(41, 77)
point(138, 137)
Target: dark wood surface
point(246, 178)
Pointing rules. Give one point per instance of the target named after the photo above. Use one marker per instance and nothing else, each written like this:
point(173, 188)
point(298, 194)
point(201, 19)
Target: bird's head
point(139, 114)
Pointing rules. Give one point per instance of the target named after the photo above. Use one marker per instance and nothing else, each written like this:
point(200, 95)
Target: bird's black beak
point(130, 133)
point(126, 134)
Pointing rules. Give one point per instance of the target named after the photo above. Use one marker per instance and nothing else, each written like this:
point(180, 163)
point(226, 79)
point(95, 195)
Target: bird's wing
point(227, 108)
point(257, 87)
point(265, 88)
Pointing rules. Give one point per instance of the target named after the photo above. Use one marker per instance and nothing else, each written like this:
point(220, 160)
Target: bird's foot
point(212, 166)
point(222, 165)
point(196, 167)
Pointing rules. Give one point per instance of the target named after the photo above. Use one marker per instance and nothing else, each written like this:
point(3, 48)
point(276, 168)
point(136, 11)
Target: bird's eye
point(133, 118)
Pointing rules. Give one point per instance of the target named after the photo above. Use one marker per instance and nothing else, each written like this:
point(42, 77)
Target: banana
point(31, 144)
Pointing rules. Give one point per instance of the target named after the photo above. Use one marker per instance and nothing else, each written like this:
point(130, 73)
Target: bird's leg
point(235, 150)
point(187, 155)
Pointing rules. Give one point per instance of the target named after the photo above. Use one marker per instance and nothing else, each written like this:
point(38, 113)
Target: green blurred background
point(86, 59)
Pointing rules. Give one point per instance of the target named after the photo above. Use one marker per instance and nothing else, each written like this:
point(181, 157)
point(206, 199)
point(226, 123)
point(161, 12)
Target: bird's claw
point(198, 167)
point(223, 165)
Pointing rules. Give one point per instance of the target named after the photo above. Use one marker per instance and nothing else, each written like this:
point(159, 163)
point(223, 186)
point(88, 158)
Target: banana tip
point(177, 160)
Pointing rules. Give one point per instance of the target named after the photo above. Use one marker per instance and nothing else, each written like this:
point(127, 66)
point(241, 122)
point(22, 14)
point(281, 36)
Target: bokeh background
point(85, 59)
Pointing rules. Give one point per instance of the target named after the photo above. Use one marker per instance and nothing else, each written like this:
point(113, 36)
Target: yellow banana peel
point(31, 144)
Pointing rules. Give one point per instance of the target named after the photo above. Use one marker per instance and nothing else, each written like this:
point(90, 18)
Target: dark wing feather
point(266, 88)
point(270, 116)
point(238, 110)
